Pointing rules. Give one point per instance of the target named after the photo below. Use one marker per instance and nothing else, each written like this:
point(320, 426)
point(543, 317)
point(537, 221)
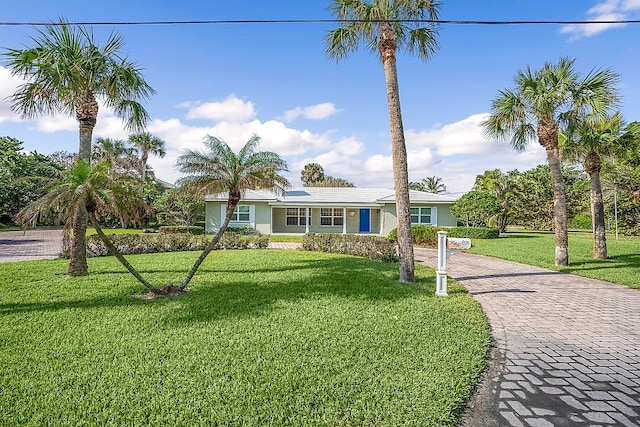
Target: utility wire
point(315, 21)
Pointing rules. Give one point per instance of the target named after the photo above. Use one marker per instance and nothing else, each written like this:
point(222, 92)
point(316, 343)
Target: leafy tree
point(540, 103)
point(504, 188)
point(222, 170)
point(96, 189)
point(20, 176)
point(431, 184)
point(311, 174)
point(179, 206)
point(476, 208)
point(147, 144)
point(330, 181)
point(386, 26)
point(67, 72)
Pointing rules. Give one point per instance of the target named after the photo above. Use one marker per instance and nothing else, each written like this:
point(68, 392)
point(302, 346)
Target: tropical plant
point(504, 188)
point(477, 208)
point(66, 71)
point(588, 143)
point(431, 184)
point(114, 151)
point(147, 144)
point(386, 26)
point(96, 189)
point(222, 170)
point(311, 174)
point(332, 181)
point(542, 101)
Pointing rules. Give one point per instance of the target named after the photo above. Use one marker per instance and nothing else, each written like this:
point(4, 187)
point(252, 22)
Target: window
point(420, 215)
point(241, 214)
point(296, 216)
point(331, 217)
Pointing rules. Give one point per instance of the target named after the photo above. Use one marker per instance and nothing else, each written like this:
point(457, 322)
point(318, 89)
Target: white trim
point(434, 215)
point(344, 220)
point(307, 221)
point(252, 216)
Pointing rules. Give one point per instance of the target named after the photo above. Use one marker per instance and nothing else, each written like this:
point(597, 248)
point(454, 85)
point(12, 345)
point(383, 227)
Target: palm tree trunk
point(559, 209)
point(143, 168)
point(387, 45)
point(234, 199)
point(115, 252)
point(78, 254)
point(597, 209)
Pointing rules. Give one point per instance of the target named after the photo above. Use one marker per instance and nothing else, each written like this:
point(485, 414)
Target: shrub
point(427, 235)
point(581, 221)
point(245, 230)
point(181, 229)
point(372, 247)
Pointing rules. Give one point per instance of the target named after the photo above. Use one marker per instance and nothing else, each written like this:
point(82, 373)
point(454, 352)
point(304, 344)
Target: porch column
point(271, 221)
point(307, 220)
point(344, 220)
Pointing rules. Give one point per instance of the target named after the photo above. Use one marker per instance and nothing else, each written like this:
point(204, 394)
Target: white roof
point(334, 196)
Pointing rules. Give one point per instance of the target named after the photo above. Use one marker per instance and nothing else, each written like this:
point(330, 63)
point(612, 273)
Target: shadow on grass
point(495, 276)
point(252, 290)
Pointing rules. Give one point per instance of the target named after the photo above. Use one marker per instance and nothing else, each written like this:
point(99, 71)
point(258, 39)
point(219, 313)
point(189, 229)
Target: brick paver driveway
point(30, 244)
point(570, 345)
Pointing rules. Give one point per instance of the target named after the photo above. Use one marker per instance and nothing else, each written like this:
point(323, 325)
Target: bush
point(245, 230)
point(237, 241)
point(181, 229)
point(427, 235)
point(372, 247)
point(582, 221)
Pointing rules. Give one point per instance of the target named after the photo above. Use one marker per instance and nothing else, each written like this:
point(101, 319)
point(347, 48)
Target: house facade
point(327, 210)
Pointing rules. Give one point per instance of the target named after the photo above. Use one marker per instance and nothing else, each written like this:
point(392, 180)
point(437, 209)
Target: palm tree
point(434, 184)
point(311, 174)
point(386, 26)
point(147, 144)
point(67, 72)
point(541, 102)
point(98, 190)
point(222, 170)
point(590, 141)
point(115, 152)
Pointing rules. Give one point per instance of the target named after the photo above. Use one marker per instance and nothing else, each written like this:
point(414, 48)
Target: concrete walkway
point(568, 347)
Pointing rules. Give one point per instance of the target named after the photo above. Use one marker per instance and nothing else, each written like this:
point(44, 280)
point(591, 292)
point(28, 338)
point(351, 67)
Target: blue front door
point(365, 220)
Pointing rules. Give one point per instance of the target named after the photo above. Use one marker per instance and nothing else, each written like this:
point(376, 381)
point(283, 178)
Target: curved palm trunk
point(234, 199)
point(593, 166)
point(86, 113)
point(78, 254)
point(387, 45)
point(548, 138)
point(114, 251)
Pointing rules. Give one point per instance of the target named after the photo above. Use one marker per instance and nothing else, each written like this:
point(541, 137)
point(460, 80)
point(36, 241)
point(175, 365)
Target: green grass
point(538, 248)
point(286, 238)
point(263, 338)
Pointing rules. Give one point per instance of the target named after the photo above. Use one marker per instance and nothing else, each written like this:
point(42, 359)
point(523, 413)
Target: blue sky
point(233, 80)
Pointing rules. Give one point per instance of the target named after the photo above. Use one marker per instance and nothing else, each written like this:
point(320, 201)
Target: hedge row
point(428, 234)
point(372, 247)
point(129, 244)
point(181, 229)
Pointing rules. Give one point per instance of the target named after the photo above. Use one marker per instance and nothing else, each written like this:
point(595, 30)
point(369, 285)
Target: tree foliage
point(477, 208)
point(313, 175)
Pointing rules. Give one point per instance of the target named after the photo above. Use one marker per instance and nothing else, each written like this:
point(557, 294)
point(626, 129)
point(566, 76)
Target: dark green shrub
point(372, 247)
point(581, 221)
point(473, 232)
point(245, 230)
point(180, 229)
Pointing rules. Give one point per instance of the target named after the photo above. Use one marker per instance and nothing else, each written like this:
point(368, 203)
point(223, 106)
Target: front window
point(296, 216)
point(331, 217)
point(420, 215)
point(240, 214)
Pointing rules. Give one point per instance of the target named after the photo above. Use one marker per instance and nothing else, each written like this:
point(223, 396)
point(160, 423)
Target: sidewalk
point(568, 347)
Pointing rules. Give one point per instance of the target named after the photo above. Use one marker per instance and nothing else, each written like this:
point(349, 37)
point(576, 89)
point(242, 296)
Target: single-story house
point(327, 210)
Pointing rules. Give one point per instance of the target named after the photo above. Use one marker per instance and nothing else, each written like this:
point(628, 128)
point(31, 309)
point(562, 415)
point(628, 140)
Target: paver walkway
point(569, 346)
point(30, 244)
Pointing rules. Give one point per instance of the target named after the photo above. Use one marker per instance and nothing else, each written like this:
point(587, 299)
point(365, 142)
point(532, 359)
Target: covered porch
point(326, 219)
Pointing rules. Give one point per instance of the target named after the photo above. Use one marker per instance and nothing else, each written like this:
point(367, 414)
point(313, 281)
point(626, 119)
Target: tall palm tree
point(98, 190)
point(147, 144)
point(590, 141)
point(67, 72)
point(115, 152)
point(434, 184)
point(222, 170)
point(386, 26)
point(311, 174)
point(541, 102)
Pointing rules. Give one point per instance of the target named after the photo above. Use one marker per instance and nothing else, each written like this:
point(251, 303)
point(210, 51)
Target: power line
point(317, 21)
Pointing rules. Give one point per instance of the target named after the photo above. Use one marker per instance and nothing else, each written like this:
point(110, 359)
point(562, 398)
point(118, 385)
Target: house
point(327, 210)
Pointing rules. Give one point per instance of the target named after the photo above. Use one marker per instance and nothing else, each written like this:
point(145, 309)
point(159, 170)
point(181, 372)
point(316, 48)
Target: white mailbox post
point(441, 272)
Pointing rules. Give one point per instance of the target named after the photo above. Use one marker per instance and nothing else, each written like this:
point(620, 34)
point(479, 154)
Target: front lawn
point(264, 337)
point(538, 248)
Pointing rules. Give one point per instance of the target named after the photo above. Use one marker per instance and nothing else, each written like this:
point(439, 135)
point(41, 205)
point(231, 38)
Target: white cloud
point(8, 85)
point(231, 109)
point(608, 10)
point(312, 112)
